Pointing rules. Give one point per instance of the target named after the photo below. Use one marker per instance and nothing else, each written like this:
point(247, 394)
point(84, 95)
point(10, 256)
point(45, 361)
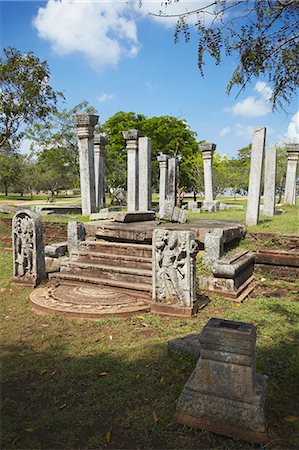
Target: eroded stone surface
point(174, 280)
point(28, 248)
point(224, 394)
point(86, 301)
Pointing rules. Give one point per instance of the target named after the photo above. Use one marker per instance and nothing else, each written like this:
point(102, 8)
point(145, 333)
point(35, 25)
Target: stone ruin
point(174, 272)
point(28, 249)
point(224, 394)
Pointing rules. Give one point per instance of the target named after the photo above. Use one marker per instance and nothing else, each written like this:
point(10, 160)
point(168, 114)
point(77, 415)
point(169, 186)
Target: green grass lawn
point(70, 384)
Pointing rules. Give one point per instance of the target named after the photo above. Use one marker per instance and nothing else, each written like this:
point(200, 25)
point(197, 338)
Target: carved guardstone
point(174, 277)
point(28, 249)
point(224, 394)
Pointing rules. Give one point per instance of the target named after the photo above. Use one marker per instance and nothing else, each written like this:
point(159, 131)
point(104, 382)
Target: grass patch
point(76, 384)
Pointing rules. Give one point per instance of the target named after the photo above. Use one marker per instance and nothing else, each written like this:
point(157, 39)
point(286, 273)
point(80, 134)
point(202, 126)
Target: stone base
point(24, 281)
point(210, 206)
point(179, 311)
point(226, 287)
point(225, 416)
point(138, 216)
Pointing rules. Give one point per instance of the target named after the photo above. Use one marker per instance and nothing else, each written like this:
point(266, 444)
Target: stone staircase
point(118, 264)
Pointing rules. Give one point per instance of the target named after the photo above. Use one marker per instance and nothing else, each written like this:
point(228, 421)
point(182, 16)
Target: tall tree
point(25, 93)
point(263, 34)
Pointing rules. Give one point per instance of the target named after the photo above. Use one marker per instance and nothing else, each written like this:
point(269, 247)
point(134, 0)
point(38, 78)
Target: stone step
point(129, 274)
point(119, 248)
point(71, 278)
point(112, 259)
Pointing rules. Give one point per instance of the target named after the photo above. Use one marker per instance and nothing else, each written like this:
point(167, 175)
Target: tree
point(25, 94)
point(169, 135)
point(10, 171)
point(55, 142)
point(262, 33)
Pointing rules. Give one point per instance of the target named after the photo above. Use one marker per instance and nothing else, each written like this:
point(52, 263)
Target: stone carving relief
point(29, 265)
point(174, 278)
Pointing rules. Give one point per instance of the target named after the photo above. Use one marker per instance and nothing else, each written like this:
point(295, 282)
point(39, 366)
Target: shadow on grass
point(125, 400)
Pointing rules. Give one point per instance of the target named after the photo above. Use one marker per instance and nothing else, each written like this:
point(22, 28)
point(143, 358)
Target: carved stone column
point(255, 176)
point(85, 124)
point(290, 187)
point(270, 181)
point(145, 173)
point(163, 163)
point(99, 168)
point(28, 249)
point(207, 155)
point(131, 138)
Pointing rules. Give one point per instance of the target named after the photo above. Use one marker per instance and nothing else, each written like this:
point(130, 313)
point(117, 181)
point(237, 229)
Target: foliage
point(10, 171)
point(262, 33)
point(169, 135)
point(25, 93)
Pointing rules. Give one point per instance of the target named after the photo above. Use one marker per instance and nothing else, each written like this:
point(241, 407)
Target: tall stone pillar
point(172, 181)
point(145, 173)
point(270, 181)
point(85, 124)
point(255, 176)
point(290, 187)
point(99, 162)
point(131, 138)
point(163, 163)
point(207, 156)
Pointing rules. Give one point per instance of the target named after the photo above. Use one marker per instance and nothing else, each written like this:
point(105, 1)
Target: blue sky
point(119, 58)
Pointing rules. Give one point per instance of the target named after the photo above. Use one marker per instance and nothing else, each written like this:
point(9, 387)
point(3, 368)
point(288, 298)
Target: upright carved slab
point(28, 249)
point(174, 280)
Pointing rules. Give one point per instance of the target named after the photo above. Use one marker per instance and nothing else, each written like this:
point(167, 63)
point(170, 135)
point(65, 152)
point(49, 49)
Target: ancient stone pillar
point(131, 138)
point(174, 271)
point(207, 150)
point(290, 187)
point(85, 124)
point(145, 173)
point(224, 394)
point(163, 163)
point(76, 233)
point(255, 177)
point(270, 181)
point(28, 249)
point(99, 168)
point(172, 182)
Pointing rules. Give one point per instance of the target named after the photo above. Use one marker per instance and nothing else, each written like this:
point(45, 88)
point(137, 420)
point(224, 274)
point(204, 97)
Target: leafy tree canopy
point(25, 93)
point(262, 33)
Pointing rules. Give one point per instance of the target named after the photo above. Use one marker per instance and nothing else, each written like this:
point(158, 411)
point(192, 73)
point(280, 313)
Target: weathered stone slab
point(138, 216)
point(56, 250)
point(255, 176)
point(28, 249)
point(230, 266)
point(188, 344)
point(57, 209)
point(214, 246)
point(174, 279)
point(75, 234)
point(120, 195)
point(224, 394)
point(210, 206)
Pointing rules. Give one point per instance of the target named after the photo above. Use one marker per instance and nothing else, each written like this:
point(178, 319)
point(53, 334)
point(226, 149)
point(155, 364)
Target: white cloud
point(250, 107)
point(293, 128)
point(253, 106)
point(224, 131)
point(264, 90)
point(104, 32)
point(105, 97)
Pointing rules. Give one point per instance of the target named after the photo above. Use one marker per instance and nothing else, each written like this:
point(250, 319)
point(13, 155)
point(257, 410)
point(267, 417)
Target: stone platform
point(88, 302)
point(142, 232)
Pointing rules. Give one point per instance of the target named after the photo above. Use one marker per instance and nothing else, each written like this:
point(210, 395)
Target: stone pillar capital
point(85, 124)
point(100, 142)
point(292, 151)
point(162, 159)
point(207, 149)
point(132, 135)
